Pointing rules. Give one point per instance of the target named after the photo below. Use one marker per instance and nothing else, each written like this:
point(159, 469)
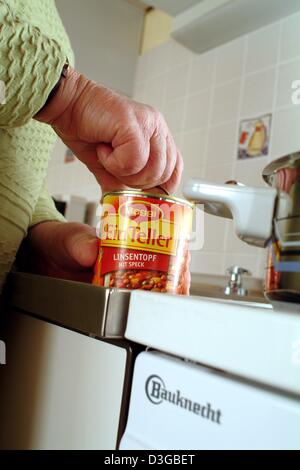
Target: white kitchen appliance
point(208, 374)
point(67, 375)
point(223, 375)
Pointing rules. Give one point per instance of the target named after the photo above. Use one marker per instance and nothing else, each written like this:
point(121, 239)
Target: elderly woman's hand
point(123, 143)
point(58, 249)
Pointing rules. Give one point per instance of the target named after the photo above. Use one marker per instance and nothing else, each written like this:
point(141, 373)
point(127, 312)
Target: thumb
point(80, 244)
point(127, 159)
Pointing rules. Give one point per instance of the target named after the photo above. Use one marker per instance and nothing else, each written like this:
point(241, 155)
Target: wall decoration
point(254, 137)
point(69, 156)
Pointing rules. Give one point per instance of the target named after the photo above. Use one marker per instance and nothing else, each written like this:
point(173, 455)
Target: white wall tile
point(173, 113)
point(193, 149)
point(176, 84)
point(93, 193)
point(58, 153)
point(178, 140)
point(218, 174)
point(286, 75)
point(263, 48)
point(226, 102)
point(141, 72)
point(192, 173)
point(66, 178)
point(52, 165)
point(88, 179)
point(249, 171)
point(209, 263)
point(80, 171)
point(155, 92)
point(140, 89)
point(286, 131)
point(53, 186)
point(202, 68)
point(290, 40)
point(197, 111)
point(157, 60)
point(222, 143)
point(258, 93)
point(51, 180)
point(75, 176)
point(214, 230)
point(229, 61)
point(200, 97)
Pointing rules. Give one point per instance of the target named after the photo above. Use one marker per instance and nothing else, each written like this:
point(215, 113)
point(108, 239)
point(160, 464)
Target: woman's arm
point(123, 143)
point(30, 66)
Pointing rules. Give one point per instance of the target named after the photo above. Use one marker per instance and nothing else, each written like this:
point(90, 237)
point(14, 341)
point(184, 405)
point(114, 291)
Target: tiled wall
point(70, 178)
point(203, 98)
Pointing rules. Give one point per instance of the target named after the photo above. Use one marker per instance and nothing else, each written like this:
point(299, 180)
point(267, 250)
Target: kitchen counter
point(238, 336)
point(96, 311)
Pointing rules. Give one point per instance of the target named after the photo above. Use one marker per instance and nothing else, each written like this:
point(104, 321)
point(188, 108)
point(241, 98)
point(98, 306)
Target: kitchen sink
point(213, 286)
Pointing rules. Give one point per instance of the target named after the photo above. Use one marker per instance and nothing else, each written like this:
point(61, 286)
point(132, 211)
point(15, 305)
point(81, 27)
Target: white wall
point(105, 36)
point(203, 98)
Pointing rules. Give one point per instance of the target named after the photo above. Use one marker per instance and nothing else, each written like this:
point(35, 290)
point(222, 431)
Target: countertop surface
point(248, 339)
point(97, 311)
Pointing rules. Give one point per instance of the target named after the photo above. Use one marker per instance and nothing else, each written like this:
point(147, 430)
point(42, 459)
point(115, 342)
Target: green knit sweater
point(33, 49)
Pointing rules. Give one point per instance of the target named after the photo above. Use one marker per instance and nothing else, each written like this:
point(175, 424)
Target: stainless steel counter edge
point(97, 311)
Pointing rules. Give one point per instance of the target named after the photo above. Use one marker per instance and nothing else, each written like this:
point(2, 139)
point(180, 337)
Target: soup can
point(144, 242)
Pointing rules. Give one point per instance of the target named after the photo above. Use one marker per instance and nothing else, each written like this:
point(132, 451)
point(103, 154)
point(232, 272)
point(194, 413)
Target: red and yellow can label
point(143, 242)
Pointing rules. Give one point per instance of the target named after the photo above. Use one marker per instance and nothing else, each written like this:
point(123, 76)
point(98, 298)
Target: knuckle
point(135, 160)
point(159, 118)
point(156, 115)
point(130, 166)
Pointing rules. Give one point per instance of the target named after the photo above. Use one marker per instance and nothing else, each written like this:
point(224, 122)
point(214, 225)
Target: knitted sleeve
point(30, 66)
point(45, 210)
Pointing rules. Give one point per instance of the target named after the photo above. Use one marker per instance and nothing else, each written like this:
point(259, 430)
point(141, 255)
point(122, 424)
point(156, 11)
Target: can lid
point(163, 190)
point(161, 197)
